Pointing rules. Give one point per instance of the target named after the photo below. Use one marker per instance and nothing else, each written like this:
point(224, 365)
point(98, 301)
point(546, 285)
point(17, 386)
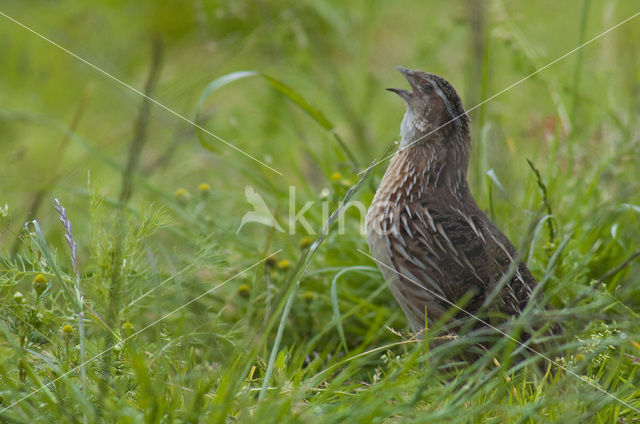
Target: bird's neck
point(440, 161)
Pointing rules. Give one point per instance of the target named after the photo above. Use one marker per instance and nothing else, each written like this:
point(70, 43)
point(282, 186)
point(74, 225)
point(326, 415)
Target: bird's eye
point(427, 86)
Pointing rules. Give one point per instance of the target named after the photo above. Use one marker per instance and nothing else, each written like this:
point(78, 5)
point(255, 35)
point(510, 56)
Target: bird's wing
point(453, 255)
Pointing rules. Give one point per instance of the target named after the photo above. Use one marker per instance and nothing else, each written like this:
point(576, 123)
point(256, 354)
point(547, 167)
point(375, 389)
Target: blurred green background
point(339, 56)
point(70, 132)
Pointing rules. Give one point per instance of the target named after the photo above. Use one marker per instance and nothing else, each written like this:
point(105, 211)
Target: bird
point(432, 243)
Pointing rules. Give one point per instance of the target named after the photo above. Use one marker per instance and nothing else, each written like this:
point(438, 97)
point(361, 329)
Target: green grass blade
point(286, 90)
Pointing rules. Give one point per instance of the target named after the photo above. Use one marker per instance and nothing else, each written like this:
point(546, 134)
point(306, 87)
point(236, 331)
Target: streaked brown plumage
point(424, 226)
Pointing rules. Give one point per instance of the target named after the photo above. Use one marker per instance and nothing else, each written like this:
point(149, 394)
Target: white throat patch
point(411, 129)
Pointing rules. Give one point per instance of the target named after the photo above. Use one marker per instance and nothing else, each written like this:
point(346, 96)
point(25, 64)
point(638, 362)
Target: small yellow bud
point(244, 290)
point(580, 357)
point(67, 333)
point(18, 298)
point(309, 296)
point(305, 242)
point(39, 284)
point(346, 183)
point(336, 176)
point(284, 264)
point(182, 196)
point(204, 189)
point(126, 329)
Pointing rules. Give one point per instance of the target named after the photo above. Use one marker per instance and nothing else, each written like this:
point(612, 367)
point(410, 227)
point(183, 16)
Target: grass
point(141, 302)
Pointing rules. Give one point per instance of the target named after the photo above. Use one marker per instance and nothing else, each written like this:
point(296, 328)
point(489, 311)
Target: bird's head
point(433, 108)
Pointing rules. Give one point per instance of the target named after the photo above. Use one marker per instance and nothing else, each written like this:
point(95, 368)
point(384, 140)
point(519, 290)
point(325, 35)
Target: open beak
point(400, 92)
point(409, 75)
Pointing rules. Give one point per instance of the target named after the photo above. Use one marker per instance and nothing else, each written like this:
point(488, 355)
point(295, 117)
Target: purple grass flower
point(67, 235)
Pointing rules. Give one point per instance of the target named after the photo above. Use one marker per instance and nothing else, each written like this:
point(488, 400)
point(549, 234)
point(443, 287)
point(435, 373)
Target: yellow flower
point(67, 333)
point(244, 290)
point(126, 329)
point(284, 264)
point(305, 242)
point(204, 189)
point(309, 296)
point(182, 196)
point(39, 284)
point(336, 176)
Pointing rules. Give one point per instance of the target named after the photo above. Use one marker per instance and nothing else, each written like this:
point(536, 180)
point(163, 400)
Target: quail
point(433, 244)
